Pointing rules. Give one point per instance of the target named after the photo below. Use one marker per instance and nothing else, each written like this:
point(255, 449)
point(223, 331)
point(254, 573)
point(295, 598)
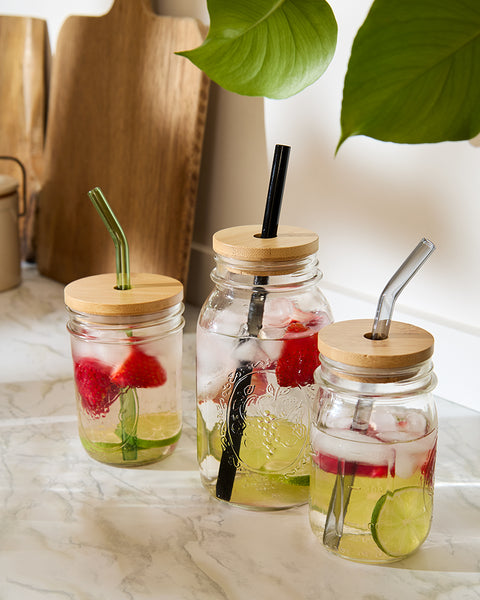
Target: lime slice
point(275, 446)
point(401, 520)
point(153, 431)
point(141, 443)
point(215, 442)
point(302, 480)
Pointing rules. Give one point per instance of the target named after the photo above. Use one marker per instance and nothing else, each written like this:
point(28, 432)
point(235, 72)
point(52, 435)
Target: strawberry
point(139, 370)
point(97, 392)
point(298, 358)
point(428, 466)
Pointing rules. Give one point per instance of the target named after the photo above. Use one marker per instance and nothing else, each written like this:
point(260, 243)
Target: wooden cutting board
point(24, 64)
point(127, 115)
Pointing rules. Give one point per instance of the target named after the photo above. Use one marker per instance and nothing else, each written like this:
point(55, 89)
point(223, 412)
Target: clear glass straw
point(340, 497)
point(114, 228)
point(386, 303)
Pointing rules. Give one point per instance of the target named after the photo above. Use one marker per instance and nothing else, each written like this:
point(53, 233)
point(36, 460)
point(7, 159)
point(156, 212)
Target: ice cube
point(410, 451)
point(112, 355)
point(215, 353)
point(209, 414)
point(278, 312)
point(383, 420)
point(408, 458)
point(351, 446)
point(416, 422)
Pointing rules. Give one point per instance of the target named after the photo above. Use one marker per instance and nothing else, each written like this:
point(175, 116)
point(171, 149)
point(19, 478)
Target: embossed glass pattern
point(255, 389)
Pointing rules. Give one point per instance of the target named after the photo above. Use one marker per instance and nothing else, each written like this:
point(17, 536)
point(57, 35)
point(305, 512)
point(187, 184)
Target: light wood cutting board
point(127, 115)
point(24, 64)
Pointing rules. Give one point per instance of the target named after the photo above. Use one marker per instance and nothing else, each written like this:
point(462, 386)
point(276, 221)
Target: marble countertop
point(74, 528)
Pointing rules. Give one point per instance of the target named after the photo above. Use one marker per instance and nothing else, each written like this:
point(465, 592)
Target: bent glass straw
point(128, 397)
point(118, 236)
point(342, 488)
point(386, 303)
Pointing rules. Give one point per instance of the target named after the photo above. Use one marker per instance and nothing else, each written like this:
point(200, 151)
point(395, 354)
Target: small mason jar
point(256, 356)
point(374, 439)
point(127, 359)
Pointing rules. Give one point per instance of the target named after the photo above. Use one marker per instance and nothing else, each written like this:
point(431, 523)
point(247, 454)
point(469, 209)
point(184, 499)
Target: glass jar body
point(374, 439)
point(256, 355)
point(127, 375)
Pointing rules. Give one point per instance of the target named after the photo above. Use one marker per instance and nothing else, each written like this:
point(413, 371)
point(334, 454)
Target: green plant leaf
point(272, 48)
point(414, 73)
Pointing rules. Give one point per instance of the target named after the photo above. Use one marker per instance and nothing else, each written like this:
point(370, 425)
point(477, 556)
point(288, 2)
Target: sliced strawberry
point(428, 466)
point(330, 464)
point(299, 356)
point(97, 392)
point(139, 370)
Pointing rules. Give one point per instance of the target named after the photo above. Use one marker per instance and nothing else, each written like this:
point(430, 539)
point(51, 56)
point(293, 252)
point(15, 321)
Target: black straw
point(275, 191)
point(243, 374)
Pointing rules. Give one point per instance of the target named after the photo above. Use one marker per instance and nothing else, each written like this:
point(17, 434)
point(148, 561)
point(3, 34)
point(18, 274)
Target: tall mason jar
point(374, 440)
point(127, 359)
point(256, 357)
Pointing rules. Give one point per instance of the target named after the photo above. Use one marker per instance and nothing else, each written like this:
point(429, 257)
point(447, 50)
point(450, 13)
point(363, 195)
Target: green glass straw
point(128, 397)
point(115, 230)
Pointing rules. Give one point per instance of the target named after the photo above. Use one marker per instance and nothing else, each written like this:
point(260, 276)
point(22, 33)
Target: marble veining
point(76, 529)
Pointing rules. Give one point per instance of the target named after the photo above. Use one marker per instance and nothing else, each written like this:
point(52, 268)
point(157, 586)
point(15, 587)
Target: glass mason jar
point(374, 439)
point(127, 359)
point(256, 357)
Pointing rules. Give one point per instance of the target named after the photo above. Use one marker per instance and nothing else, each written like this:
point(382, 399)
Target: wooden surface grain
point(244, 243)
point(24, 67)
point(346, 342)
point(98, 295)
point(127, 115)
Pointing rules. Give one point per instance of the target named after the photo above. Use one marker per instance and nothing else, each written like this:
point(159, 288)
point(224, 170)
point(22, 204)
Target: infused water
point(266, 409)
point(376, 487)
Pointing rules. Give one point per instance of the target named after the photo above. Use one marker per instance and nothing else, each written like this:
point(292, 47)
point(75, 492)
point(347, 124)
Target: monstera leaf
point(272, 48)
point(414, 73)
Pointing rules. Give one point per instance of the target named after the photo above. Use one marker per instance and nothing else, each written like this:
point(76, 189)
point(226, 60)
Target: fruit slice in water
point(401, 520)
point(139, 370)
point(299, 357)
point(156, 430)
point(270, 450)
point(153, 431)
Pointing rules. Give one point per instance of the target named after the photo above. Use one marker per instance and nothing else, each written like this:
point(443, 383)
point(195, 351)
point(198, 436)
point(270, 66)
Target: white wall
point(375, 200)
point(371, 204)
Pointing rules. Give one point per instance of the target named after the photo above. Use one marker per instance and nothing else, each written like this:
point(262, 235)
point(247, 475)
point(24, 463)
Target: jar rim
point(399, 381)
point(141, 327)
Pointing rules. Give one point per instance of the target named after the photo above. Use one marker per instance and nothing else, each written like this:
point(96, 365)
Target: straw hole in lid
point(369, 336)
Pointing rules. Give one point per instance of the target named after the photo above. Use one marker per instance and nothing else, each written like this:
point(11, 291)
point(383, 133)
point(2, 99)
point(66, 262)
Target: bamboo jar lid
point(345, 342)
point(8, 185)
point(244, 243)
point(97, 295)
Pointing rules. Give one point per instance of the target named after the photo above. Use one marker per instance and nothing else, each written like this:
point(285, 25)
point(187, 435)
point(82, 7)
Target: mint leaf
point(414, 73)
point(272, 48)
